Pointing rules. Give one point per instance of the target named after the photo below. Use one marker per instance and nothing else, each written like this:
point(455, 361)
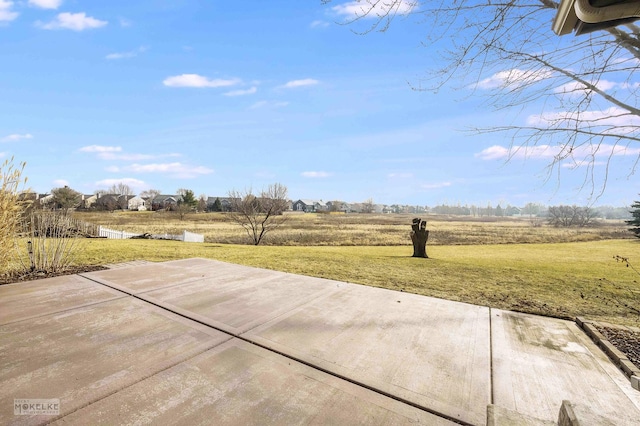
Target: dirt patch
point(17, 277)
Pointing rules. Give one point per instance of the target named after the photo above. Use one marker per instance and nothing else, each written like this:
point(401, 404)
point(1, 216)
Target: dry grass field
point(358, 229)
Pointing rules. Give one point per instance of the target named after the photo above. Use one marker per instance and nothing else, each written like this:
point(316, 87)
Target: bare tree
point(368, 206)
point(122, 191)
point(259, 214)
point(120, 188)
point(566, 216)
point(507, 50)
point(202, 203)
point(149, 195)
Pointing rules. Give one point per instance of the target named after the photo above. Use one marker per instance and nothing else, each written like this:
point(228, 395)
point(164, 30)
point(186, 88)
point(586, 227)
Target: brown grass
point(10, 209)
point(358, 229)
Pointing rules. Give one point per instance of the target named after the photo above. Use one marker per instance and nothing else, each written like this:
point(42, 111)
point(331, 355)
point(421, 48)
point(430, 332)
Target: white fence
point(186, 236)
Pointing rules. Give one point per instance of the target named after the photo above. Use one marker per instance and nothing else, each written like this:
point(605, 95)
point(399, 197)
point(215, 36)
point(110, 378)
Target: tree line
point(535, 210)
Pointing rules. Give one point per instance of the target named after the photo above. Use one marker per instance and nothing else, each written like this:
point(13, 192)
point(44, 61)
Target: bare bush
point(52, 241)
point(567, 216)
point(11, 208)
point(259, 215)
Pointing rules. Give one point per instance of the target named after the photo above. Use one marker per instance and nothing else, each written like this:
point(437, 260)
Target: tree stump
point(419, 237)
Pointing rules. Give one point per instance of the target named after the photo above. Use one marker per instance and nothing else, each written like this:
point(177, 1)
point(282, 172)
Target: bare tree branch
point(506, 51)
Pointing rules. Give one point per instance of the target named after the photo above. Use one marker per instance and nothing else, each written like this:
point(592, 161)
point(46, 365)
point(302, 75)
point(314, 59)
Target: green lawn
point(562, 280)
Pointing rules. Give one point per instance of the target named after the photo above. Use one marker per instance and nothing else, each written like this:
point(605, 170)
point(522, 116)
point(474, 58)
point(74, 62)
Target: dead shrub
point(11, 207)
point(52, 241)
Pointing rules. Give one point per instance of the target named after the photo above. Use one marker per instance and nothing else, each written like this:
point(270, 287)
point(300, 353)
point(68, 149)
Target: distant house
point(167, 202)
point(226, 204)
point(309, 206)
point(88, 200)
point(512, 211)
point(45, 199)
point(137, 203)
point(112, 202)
point(338, 206)
point(31, 196)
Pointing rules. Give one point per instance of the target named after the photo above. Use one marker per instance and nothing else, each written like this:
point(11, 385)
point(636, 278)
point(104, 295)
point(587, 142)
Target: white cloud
point(494, 152)
point(437, 185)
point(134, 157)
point(497, 152)
point(319, 24)
point(576, 159)
point(264, 104)
point(72, 21)
point(59, 183)
point(575, 87)
point(250, 91)
point(124, 22)
point(100, 148)
point(608, 121)
point(578, 89)
point(123, 55)
point(316, 174)
point(513, 78)
point(176, 169)
point(6, 15)
point(582, 163)
point(300, 83)
point(195, 80)
point(115, 153)
point(133, 183)
point(16, 137)
point(45, 4)
point(381, 8)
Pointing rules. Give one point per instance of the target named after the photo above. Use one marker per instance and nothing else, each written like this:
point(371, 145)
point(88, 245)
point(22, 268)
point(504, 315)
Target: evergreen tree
point(65, 198)
point(189, 199)
point(635, 222)
point(217, 205)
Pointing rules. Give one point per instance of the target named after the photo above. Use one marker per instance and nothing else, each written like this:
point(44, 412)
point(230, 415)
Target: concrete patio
point(198, 341)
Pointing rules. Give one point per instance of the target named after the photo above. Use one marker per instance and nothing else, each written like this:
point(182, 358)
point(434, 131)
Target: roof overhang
point(585, 16)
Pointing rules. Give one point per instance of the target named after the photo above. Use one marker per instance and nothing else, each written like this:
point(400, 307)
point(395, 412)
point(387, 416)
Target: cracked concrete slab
point(135, 279)
point(86, 353)
point(314, 350)
point(36, 298)
point(428, 351)
point(237, 383)
point(236, 302)
point(538, 362)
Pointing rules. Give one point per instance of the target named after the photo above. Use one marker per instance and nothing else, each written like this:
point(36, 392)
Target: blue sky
point(214, 95)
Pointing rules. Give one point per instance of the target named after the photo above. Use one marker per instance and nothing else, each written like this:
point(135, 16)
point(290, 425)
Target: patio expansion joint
point(491, 387)
point(291, 357)
point(132, 293)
